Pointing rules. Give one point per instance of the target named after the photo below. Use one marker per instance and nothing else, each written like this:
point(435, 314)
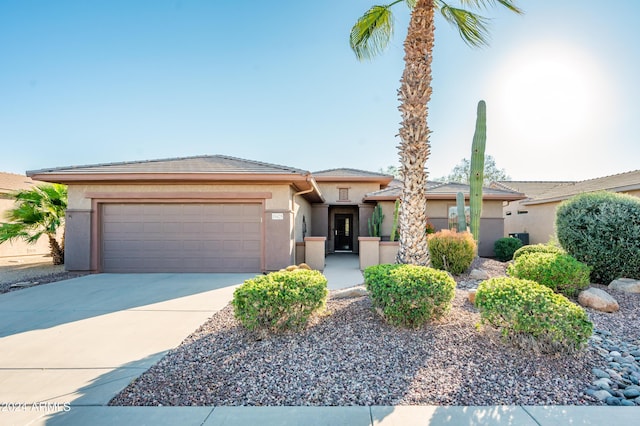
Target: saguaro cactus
point(477, 170)
point(462, 217)
point(394, 228)
point(375, 221)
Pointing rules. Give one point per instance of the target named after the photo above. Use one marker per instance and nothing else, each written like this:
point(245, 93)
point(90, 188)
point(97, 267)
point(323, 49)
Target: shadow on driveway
point(80, 298)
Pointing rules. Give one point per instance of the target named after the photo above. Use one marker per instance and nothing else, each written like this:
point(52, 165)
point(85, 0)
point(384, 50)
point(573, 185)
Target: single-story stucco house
point(224, 214)
point(536, 214)
point(10, 183)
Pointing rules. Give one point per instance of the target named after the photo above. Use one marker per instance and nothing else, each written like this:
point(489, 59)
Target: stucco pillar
point(320, 222)
point(369, 251)
point(278, 246)
point(77, 244)
point(314, 252)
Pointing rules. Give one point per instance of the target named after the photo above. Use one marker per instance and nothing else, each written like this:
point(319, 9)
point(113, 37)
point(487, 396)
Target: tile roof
point(197, 164)
point(10, 182)
point(347, 173)
point(447, 190)
point(615, 183)
point(532, 189)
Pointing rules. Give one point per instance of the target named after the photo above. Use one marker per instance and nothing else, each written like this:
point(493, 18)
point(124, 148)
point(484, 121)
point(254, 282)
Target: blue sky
point(84, 82)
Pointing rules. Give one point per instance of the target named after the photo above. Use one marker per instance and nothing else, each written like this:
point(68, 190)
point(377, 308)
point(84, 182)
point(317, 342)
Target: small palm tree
point(369, 37)
point(38, 211)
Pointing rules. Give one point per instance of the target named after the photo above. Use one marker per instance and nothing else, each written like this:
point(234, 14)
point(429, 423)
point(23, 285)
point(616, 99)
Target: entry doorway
point(343, 232)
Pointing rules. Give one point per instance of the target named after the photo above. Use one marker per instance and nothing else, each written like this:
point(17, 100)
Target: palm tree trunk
point(414, 94)
point(57, 252)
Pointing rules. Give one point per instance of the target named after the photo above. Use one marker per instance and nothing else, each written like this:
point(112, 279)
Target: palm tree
point(369, 37)
point(38, 211)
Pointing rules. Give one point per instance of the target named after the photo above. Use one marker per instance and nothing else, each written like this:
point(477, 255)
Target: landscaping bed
point(350, 356)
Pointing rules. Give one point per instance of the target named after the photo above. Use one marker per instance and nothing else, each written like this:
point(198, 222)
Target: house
point(9, 183)
point(536, 214)
point(224, 214)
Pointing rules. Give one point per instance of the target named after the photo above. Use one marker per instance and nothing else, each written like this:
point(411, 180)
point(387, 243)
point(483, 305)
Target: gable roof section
point(621, 182)
point(10, 182)
point(352, 175)
point(531, 189)
point(446, 191)
point(205, 168)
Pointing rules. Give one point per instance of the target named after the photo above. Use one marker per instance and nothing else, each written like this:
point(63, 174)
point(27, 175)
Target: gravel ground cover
point(28, 271)
point(350, 356)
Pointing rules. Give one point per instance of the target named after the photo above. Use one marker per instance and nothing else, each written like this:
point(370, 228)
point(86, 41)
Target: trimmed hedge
point(524, 309)
point(602, 229)
point(409, 295)
point(451, 251)
point(504, 248)
point(560, 272)
point(280, 301)
point(537, 248)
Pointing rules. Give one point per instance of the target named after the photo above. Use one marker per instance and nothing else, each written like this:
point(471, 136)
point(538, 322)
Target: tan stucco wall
point(538, 221)
point(19, 247)
point(302, 208)
point(357, 191)
point(280, 194)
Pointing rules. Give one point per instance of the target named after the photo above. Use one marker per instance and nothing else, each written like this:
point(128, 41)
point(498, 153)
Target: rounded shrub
point(537, 248)
point(452, 251)
point(602, 229)
point(504, 248)
point(410, 295)
point(280, 301)
point(523, 310)
point(560, 272)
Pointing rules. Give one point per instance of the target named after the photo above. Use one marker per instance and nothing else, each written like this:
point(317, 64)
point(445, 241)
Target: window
point(343, 194)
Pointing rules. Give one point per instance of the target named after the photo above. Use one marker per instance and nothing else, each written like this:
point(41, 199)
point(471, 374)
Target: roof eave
point(68, 178)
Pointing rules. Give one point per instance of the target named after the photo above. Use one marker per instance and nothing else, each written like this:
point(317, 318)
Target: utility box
point(522, 236)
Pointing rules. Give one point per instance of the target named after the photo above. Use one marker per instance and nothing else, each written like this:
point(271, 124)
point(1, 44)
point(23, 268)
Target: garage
point(181, 237)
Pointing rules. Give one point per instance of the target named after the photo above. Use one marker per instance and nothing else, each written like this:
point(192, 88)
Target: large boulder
point(627, 285)
point(349, 293)
point(478, 274)
point(598, 299)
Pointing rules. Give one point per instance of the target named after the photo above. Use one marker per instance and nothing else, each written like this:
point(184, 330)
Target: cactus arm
point(394, 228)
point(462, 218)
point(477, 170)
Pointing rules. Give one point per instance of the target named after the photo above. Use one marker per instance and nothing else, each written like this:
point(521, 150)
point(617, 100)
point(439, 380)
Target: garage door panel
point(181, 237)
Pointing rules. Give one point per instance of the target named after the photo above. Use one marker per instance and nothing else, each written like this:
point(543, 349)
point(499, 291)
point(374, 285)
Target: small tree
point(38, 211)
point(462, 171)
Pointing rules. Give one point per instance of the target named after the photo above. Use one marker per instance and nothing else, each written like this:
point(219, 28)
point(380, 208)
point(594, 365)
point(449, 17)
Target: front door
point(343, 232)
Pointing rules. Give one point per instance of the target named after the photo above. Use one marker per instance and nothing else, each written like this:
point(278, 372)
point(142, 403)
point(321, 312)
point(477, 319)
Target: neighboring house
point(536, 215)
point(224, 214)
point(9, 183)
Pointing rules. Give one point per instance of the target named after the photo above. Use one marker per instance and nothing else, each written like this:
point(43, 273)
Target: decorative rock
point(349, 293)
point(627, 285)
point(599, 373)
point(631, 393)
point(478, 274)
point(612, 400)
point(598, 299)
point(472, 296)
point(602, 395)
point(603, 383)
point(627, 403)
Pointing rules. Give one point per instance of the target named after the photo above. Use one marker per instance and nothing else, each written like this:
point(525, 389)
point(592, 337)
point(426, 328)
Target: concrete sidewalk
point(330, 416)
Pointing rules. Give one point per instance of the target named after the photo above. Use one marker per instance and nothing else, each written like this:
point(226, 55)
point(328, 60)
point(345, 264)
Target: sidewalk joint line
point(530, 415)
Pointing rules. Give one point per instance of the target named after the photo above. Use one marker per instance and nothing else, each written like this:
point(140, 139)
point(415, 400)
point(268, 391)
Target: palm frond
point(411, 3)
point(372, 32)
point(471, 26)
point(486, 4)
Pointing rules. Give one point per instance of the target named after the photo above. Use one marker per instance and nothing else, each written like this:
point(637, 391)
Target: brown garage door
point(181, 237)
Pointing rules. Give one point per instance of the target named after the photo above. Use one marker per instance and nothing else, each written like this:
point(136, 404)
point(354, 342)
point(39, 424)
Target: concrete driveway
point(81, 341)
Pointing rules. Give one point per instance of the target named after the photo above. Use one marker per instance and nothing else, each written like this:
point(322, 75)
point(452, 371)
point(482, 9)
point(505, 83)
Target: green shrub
point(505, 247)
point(524, 310)
point(560, 272)
point(537, 248)
point(410, 295)
point(452, 251)
point(602, 230)
point(280, 301)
